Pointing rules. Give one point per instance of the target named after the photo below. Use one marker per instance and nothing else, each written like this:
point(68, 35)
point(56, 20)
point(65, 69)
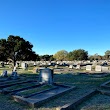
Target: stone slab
point(39, 99)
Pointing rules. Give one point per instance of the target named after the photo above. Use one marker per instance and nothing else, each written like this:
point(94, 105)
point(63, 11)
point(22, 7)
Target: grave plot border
point(73, 105)
point(6, 91)
point(95, 74)
point(12, 84)
point(27, 96)
point(104, 85)
point(33, 103)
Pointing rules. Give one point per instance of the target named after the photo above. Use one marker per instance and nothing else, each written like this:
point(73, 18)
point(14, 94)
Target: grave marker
point(88, 67)
point(98, 68)
point(46, 76)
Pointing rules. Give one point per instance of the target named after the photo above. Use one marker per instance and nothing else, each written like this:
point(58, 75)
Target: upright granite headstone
point(46, 76)
point(78, 67)
point(98, 68)
point(56, 66)
point(14, 75)
point(88, 68)
point(105, 69)
point(2, 64)
point(4, 74)
point(24, 65)
point(71, 67)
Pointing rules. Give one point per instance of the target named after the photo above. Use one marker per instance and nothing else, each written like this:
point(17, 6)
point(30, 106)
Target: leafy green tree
point(16, 48)
point(80, 54)
point(3, 50)
point(70, 56)
point(61, 55)
point(46, 57)
point(107, 54)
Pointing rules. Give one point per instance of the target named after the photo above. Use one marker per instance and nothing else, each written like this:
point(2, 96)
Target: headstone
point(71, 67)
point(34, 64)
point(24, 65)
point(56, 66)
point(17, 64)
point(2, 64)
point(14, 75)
point(78, 67)
point(98, 68)
point(88, 67)
point(46, 76)
point(104, 64)
point(4, 74)
point(105, 69)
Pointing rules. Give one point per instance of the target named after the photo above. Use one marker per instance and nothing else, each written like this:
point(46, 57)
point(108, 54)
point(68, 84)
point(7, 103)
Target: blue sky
point(53, 25)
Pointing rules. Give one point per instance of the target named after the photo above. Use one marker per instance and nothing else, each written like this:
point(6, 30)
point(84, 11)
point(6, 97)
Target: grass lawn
point(34, 90)
point(18, 86)
point(82, 82)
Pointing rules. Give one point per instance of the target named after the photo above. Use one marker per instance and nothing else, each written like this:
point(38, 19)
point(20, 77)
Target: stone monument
point(4, 74)
point(88, 68)
point(46, 76)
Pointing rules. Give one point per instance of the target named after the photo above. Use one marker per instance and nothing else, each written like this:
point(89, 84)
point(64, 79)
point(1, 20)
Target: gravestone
point(88, 67)
point(24, 65)
point(2, 64)
point(98, 68)
point(71, 67)
point(46, 76)
point(105, 69)
point(4, 74)
point(78, 67)
point(17, 64)
point(34, 64)
point(56, 66)
point(14, 75)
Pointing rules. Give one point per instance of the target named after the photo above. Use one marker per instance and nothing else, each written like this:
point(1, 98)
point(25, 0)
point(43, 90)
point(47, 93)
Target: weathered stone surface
point(98, 68)
point(88, 67)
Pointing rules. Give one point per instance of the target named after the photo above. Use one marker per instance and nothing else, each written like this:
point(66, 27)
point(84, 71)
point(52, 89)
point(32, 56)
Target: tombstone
point(88, 68)
point(34, 64)
point(17, 64)
point(14, 75)
point(105, 69)
point(98, 68)
point(4, 74)
point(56, 66)
point(2, 64)
point(46, 76)
point(104, 64)
point(24, 65)
point(71, 67)
point(78, 67)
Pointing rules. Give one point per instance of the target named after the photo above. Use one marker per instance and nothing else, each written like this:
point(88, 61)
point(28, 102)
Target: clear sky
point(53, 25)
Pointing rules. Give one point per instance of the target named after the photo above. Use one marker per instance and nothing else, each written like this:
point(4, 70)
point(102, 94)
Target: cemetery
point(63, 81)
point(70, 88)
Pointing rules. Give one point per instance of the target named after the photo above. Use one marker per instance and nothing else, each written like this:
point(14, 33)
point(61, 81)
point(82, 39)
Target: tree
point(107, 54)
point(70, 56)
point(17, 48)
point(46, 57)
point(80, 54)
point(3, 50)
point(61, 55)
